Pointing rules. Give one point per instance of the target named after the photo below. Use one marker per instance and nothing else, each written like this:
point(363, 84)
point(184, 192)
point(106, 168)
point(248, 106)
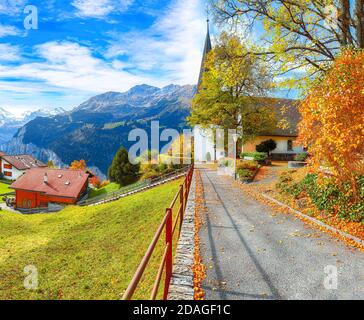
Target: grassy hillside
point(109, 188)
point(4, 188)
point(82, 253)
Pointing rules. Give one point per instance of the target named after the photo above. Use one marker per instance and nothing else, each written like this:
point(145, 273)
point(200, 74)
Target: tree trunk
point(359, 22)
point(344, 21)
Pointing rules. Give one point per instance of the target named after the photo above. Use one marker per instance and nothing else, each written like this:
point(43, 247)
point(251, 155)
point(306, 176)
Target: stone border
point(321, 224)
point(181, 285)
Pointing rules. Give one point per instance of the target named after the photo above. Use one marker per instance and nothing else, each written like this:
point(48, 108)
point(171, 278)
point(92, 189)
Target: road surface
point(250, 252)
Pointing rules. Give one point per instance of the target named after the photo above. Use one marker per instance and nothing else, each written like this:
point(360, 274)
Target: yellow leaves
point(332, 117)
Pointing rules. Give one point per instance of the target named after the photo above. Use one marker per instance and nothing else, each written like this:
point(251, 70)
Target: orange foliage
point(78, 165)
point(198, 267)
point(104, 183)
point(333, 119)
point(95, 181)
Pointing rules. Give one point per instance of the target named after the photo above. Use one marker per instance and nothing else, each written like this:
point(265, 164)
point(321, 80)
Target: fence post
point(182, 203)
point(169, 257)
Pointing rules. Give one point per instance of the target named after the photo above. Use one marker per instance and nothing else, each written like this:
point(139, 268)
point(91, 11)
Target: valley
point(96, 129)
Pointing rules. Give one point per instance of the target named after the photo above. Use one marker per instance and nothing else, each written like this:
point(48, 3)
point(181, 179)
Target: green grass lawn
point(109, 188)
point(83, 252)
point(4, 188)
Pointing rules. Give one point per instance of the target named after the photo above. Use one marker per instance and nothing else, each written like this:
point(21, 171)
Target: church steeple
point(206, 50)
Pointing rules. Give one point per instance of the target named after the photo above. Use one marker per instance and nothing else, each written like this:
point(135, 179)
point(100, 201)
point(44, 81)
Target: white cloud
point(172, 45)
point(12, 7)
point(100, 8)
point(8, 31)
point(65, 73)
point(9, 53)
point(68, 65)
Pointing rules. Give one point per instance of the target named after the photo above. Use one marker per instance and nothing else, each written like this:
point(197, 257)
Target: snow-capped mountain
point(31, 115)
point(6, 116)
point(10, 123)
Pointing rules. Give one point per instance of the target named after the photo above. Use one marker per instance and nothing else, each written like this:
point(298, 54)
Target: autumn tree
point(50, 164)
point(300, 35)
point(232, 90)
point(78, 165)
point(95, 182)
point(333, 120)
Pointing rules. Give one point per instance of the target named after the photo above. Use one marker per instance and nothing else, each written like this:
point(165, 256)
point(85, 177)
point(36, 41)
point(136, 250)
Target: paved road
point(253, 253)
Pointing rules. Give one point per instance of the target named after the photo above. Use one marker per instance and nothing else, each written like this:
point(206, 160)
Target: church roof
point(206, 50)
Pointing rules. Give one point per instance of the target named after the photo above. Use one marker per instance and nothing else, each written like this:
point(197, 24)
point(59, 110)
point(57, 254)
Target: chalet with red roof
point(14, 166)
point(40, 187)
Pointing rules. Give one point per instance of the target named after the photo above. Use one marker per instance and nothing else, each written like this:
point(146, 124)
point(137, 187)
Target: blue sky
point(86, 47)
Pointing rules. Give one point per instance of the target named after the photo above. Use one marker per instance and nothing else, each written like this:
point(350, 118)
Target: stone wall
point(181, 286)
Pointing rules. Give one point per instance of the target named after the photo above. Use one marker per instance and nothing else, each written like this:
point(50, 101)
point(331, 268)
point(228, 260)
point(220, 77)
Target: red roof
point(61, 182)
point(23, 161)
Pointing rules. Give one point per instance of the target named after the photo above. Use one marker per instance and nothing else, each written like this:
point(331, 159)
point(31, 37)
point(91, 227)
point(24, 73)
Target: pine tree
point(121, 170)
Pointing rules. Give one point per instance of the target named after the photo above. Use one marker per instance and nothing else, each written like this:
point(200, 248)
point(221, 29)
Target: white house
point(204, 146)
point(14, 166)
point(206, 149)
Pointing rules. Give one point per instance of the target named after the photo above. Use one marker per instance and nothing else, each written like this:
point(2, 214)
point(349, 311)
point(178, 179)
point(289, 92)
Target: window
point(8, 174)
point(8, 166)
point(289, 145)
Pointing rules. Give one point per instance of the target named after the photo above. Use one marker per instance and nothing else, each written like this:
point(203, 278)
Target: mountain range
point(10, 124)
point(96, 129)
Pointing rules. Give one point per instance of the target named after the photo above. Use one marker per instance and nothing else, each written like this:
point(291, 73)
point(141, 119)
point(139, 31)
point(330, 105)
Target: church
point(205, 148)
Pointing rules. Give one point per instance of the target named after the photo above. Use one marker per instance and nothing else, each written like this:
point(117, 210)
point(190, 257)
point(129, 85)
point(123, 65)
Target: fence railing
point(169, 227)
point(131, 188)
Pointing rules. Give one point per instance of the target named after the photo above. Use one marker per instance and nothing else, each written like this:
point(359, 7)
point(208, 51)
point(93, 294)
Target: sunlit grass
point(83, 253)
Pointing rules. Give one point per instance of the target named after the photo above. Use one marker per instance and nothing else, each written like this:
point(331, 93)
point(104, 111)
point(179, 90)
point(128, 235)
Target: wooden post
point(182, 203)
point(169, 257)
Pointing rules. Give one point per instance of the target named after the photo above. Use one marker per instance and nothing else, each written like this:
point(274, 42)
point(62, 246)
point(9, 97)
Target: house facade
point(14, 166)
point(42, 187)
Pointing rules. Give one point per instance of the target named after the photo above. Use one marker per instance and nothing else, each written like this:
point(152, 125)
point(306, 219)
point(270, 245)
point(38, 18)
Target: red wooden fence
point(170, 228)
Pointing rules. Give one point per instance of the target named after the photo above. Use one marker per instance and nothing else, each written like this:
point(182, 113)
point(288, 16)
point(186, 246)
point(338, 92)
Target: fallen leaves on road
point(353, 228)
point(199, 270)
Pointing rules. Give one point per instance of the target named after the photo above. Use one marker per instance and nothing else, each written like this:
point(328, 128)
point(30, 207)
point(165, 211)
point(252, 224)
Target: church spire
point(206, 50)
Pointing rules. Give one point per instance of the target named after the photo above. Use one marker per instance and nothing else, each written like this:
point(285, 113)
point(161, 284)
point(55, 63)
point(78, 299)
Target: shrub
point(301, 157)
point(326, 195)
point(257, 156)
point(245, 174)
point(266, 146)
point(150, 175)
point(247, 164)
point(162, 167)
point(284, 181)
